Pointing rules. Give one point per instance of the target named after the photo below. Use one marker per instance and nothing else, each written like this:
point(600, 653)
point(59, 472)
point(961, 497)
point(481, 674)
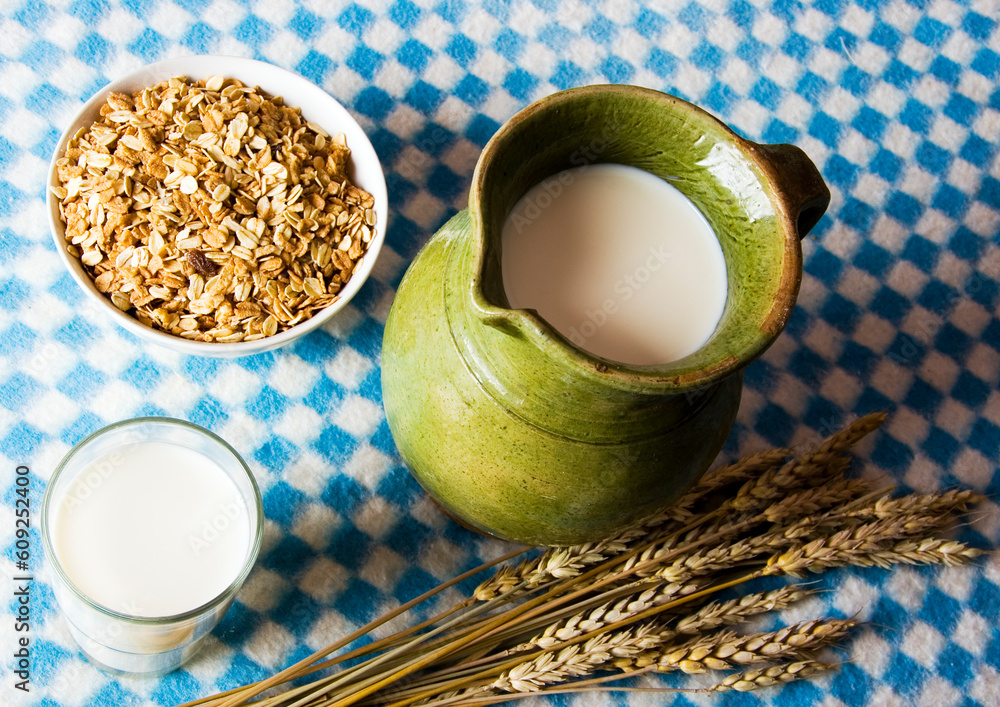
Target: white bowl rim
point(365, 171)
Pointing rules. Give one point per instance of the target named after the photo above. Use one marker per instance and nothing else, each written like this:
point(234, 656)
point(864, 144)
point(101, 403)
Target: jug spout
point(543, 378)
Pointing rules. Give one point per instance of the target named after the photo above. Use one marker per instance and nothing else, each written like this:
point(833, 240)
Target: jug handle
point(798, 183)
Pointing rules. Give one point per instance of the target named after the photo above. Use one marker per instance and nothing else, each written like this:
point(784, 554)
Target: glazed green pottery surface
point(510, 427)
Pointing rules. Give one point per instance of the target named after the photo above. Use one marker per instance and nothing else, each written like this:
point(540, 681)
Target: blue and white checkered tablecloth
point(897, 102)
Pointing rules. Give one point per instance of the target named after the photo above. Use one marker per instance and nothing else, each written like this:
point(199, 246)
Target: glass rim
point(223, 596)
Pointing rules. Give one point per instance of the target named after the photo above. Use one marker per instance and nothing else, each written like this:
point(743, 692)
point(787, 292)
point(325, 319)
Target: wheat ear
point(767, 677)
point(724, 649)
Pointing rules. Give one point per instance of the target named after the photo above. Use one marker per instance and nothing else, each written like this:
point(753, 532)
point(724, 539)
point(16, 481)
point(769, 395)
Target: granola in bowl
point(213, 211)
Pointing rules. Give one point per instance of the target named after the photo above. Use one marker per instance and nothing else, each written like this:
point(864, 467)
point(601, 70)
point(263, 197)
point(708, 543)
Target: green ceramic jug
point(508, 425)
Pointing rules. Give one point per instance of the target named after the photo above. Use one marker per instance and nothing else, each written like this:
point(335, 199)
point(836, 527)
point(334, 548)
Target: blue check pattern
point(898, 103)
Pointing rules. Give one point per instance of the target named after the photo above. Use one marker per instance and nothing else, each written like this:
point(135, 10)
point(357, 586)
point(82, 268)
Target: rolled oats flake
point(211, 210)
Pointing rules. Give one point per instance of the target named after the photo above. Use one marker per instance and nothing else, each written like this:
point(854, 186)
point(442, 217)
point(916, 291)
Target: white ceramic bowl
point(317, 106)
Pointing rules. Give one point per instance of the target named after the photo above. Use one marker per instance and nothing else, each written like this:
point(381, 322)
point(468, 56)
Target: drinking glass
point(116, 641)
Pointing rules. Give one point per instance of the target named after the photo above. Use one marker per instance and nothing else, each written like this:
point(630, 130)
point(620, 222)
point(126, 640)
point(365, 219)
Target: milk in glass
point(151, 529)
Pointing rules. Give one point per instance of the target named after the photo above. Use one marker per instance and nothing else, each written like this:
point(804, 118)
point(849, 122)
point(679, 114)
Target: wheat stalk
point(576, 617)
point(724, 649)
point(717, 479)
point(767, 677)
point(928, 551)
point(716, 614)
point(944, 504)
point(567, 562)
point(864, 546)
point(579, 659)
point(815, 500)
point(827, 461)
